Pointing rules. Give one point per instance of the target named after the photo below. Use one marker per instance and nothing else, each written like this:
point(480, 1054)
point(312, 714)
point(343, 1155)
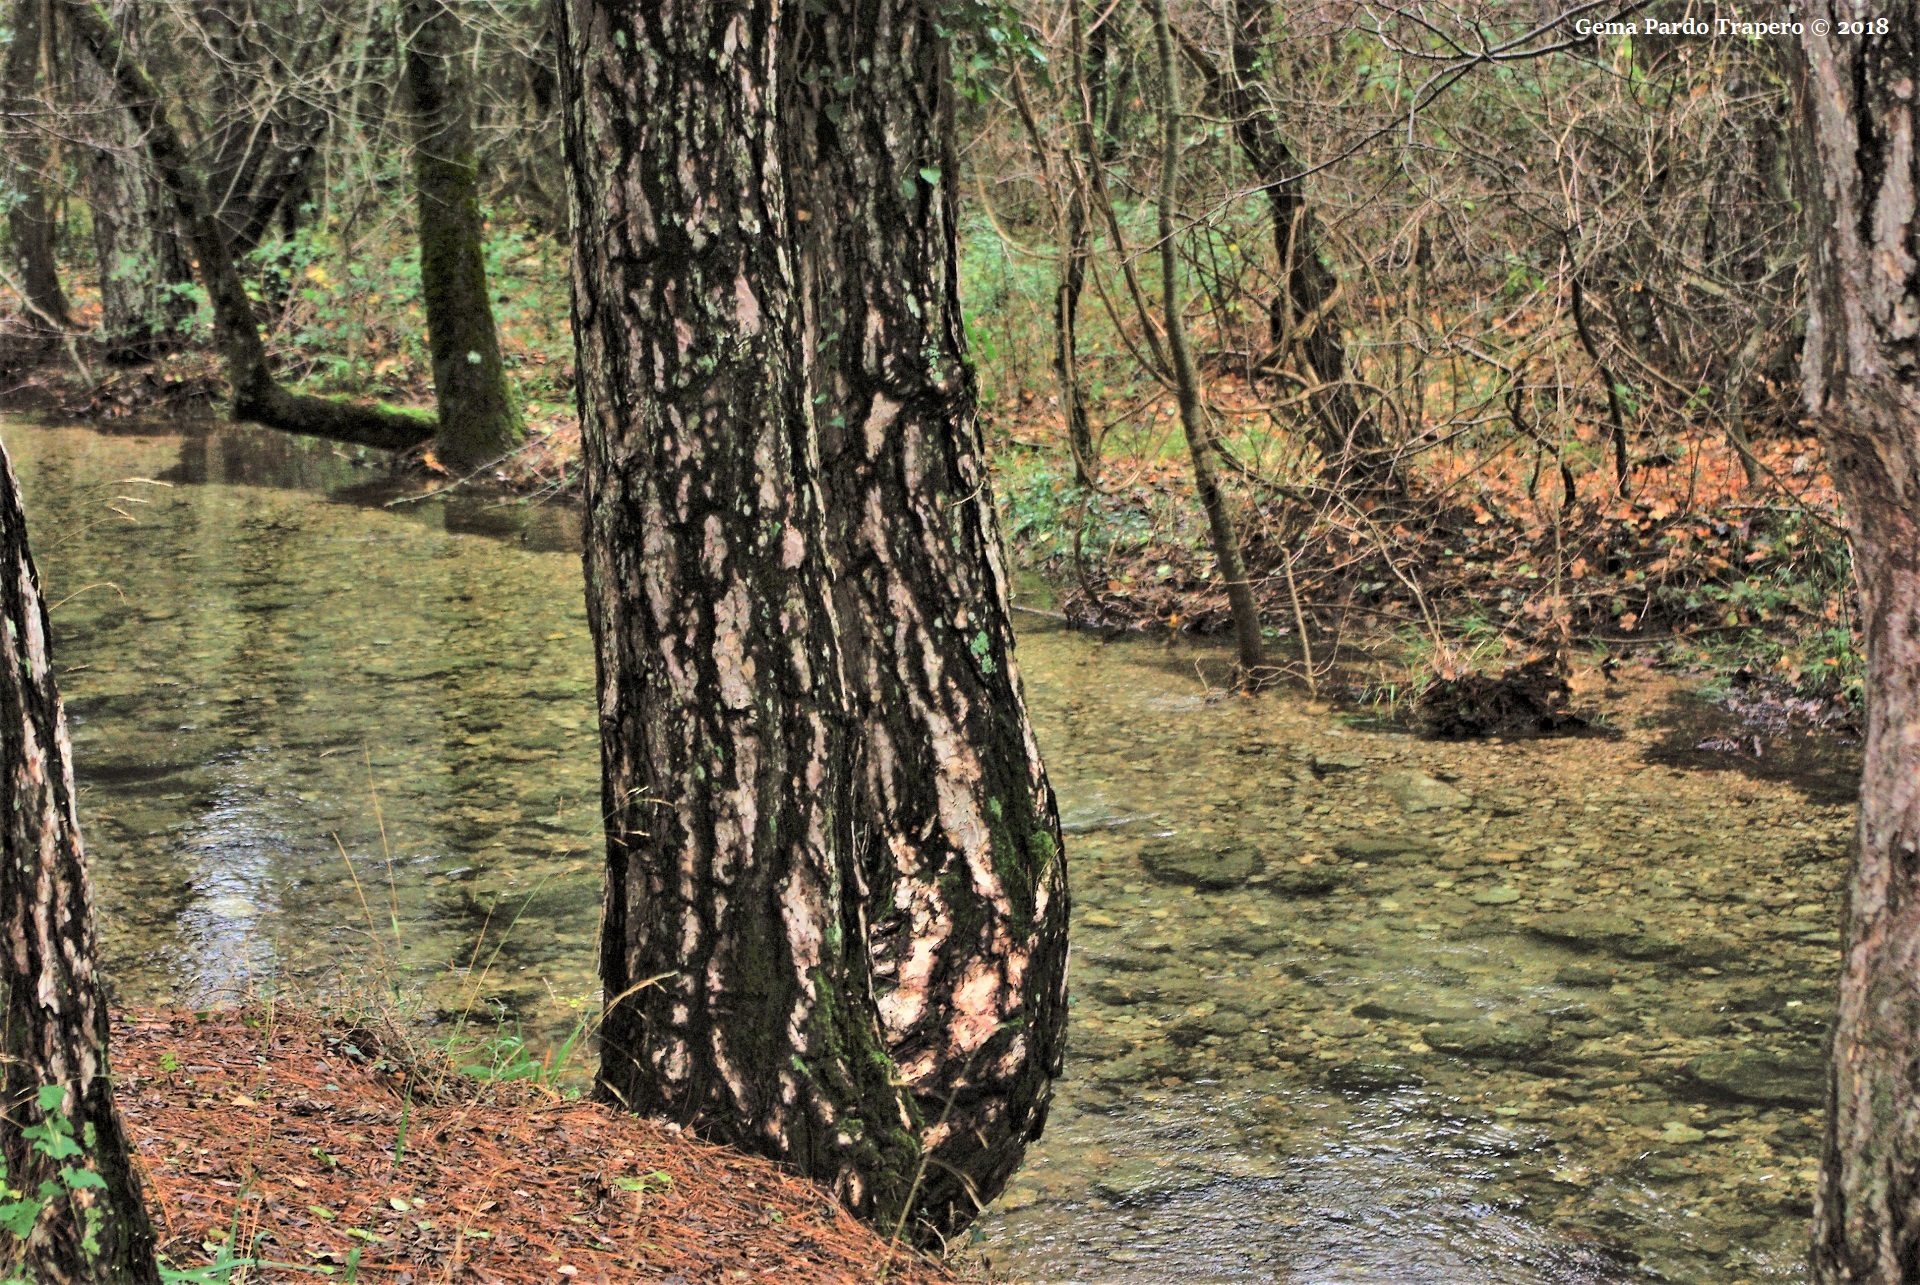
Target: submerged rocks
point(1418, 792)
point(1230, 864)
point(1795, 1078)
point(1519, 1040)
point(1215, 869)
point(1381, 848)
point(1369, 1077)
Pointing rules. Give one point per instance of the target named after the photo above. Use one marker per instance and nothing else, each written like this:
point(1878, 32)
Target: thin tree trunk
point(959, 829)
point(479, 414)
point(1206, 482)
point(92, 1227)
point(734, 952)
point(1860, 176)
point(29, 226)
point(257, 395)
point(1089, 53)
point(1304, 313)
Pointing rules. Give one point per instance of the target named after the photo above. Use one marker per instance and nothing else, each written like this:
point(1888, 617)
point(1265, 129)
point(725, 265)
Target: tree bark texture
point(479, 414)
point(257, 395)
point(956, 821)
point(92, 1230)
point(1186, 376)
point(733, 941)
point(29, 225)
point(831, 845)
point(1861, 177)
point(1304, 314)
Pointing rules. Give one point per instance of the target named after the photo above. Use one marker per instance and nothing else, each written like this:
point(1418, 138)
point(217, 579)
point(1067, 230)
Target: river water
point(1348, 1006)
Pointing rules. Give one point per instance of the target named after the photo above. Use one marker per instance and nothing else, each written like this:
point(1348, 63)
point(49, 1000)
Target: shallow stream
point(1348, 1006)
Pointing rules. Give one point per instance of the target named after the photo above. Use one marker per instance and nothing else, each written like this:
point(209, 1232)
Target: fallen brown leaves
point(274, 1134)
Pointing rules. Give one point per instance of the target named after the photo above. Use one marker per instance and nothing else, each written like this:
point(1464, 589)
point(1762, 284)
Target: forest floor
point(271, 1138)
point(1483, 562)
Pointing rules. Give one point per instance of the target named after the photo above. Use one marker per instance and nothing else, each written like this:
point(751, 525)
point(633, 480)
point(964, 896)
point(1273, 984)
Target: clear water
point(1542, 1012)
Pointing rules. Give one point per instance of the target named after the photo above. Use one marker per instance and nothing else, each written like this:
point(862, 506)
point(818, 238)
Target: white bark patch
point(746, 307)
point(731, 663)
point(906, 1004)
point(793, 547)
point(880, 417)
point(976, 1004)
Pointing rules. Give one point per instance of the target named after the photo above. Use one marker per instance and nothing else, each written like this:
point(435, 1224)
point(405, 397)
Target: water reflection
point(1346, 1006)
point(281, 663)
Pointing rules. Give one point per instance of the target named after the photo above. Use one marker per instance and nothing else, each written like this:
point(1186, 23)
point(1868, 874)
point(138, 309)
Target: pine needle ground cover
point(282, 1148)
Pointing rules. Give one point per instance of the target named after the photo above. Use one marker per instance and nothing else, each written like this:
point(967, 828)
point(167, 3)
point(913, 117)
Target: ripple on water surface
point(1346, 1006)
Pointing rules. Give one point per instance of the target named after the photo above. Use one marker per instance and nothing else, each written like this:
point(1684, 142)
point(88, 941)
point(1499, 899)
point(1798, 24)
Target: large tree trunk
point(92, 1227)
point(809, 712)
point(257, 395)
point(733, 942)
point(956, 820)
point(479, 415)
point(29, 226)
point(1861, 177)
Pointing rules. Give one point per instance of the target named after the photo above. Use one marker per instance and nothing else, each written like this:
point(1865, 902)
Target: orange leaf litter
point(263, 1130)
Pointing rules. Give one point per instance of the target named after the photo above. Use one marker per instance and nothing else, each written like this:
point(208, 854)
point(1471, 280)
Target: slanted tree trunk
point(1186, 377)
point(479, 414)
point(257, 395)
point(831, 847)
point(1861, 374)
point(957, 824)
point(29, 226)
point(91, 1227)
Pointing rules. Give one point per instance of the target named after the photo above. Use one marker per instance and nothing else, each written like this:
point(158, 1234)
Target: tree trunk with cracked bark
point(834, 928)
point(91, 1227)
point(1861, 182)
point(29, 226)
point(956, 819)
point(479, 414)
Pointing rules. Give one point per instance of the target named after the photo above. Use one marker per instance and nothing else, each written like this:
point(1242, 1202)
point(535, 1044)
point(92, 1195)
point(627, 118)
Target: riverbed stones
point(1418, 792)
point(1381, 849)
point(1792, 1078)
point(1213, 868)
point(1520, 1039)
point(1368, 1076)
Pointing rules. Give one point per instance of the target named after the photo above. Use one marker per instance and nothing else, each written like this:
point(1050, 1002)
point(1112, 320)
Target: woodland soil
point(270, 1135)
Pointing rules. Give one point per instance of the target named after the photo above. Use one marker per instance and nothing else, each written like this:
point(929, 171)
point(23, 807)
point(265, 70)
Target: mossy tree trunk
point(966, 878)
point(835, 915)
point(30, 227)
point(1861, 377)
point(257, 395)
point(92, 1227)
point(479, 415)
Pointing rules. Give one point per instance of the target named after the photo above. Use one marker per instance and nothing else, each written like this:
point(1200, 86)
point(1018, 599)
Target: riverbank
point(1457, 573)
point(269, 1137)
